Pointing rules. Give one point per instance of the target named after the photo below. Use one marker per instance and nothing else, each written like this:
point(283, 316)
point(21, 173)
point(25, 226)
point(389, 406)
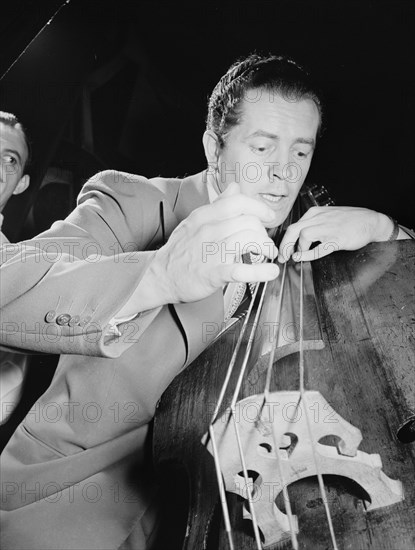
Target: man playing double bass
point(122, 289)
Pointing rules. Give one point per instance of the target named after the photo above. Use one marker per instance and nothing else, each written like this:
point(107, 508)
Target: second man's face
point(13, 157)
point(269, 152)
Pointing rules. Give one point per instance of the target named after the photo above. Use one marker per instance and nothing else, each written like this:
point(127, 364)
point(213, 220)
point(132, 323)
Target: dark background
point(125, 86)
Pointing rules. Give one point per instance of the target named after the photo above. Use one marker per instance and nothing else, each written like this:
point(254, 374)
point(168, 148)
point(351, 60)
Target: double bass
point(296, 428)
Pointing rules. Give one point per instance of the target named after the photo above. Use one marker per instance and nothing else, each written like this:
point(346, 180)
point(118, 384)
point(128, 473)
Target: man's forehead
point(13, 139)
point(271, 113)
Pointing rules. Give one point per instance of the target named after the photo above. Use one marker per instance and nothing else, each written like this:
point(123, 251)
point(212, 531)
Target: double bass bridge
point(282, 441)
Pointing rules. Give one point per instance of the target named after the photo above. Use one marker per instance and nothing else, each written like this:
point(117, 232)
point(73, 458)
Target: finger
point(222, 229)
point(314, 211)
point(233, 206)
point(287, 245)
point(304, 242)
point(249, 273)
point(239, 204)
point(323, 249)
point(257, 242)
point(308, 236)
point(300, 236)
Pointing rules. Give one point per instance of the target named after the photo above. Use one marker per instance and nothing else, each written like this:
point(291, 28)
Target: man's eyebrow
point(276, 137)
point(306, 141)
point(264, 133)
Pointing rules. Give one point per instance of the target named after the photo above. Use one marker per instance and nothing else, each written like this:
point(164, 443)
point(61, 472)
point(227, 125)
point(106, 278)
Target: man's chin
point(281, 213)
point(279, 220)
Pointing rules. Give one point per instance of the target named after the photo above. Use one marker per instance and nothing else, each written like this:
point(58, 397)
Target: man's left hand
point(335, 228)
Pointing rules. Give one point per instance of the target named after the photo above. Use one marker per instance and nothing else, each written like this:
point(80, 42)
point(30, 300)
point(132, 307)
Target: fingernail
point(296, 256)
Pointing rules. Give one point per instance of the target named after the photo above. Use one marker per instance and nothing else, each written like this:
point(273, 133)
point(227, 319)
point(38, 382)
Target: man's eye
point(302, 154)
point(259, 148)
point(8, 159)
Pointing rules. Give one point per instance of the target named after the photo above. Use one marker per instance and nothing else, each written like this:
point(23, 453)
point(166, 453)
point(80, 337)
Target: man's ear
point(22, 185)
point(212, 148)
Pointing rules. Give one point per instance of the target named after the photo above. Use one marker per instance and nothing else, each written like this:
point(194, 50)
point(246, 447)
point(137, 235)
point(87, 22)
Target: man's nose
point(283, 170)
point(273, 169)
point(276, 166)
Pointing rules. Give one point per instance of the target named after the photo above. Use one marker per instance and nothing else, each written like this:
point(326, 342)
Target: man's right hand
point(204, 251)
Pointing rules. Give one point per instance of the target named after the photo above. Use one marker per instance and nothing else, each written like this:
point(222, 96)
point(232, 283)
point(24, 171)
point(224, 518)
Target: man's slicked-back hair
point(11, 120)
point(274, 74)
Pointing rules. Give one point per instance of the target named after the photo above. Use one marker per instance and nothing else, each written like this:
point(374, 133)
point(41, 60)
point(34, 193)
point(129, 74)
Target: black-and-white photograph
point(207, 275)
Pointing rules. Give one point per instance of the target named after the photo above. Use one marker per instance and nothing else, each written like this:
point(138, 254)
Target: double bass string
point(232, 413)
point(224, 504)
point(222, 492)
point(277, 444)
point(233, 408)
point(303, 399)
point(277, 324)
point(225, 510)
point(233, 359)
point(309, 429)
point(249, 494)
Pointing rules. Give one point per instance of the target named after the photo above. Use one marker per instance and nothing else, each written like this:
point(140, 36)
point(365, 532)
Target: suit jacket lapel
point(200, 320)
point(192, 194)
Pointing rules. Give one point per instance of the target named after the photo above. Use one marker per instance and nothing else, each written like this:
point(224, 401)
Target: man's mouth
point(271, 198)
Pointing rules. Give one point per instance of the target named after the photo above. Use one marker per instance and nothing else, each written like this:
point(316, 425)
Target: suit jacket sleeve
point(86, 266)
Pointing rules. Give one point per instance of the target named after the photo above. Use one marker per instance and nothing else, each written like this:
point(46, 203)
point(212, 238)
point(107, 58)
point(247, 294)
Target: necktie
point(235, 292)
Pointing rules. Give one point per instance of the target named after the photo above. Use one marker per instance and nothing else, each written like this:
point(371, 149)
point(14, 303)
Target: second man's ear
point(212, 148)
point(22, 185)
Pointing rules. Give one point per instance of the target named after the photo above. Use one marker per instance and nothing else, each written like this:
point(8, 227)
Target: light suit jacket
point(74, 473)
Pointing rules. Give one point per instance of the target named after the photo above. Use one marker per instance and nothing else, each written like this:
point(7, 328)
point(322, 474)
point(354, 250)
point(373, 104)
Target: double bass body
point(365, 371)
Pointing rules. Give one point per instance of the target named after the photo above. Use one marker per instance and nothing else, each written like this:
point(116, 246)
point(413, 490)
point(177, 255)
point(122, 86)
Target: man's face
point(13, 157)
point(269, 152)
